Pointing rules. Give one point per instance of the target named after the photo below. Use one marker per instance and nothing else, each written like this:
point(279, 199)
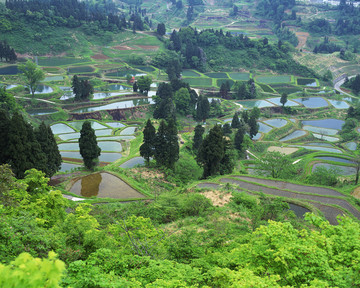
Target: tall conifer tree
point(89, 149)
point(47, 141)
point(148, 146)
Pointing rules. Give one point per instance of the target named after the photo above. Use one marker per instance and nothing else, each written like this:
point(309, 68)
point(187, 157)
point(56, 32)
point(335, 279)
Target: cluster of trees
point(24, 147)
point(326, 47)
point(82, 88)
point(142, 84)
point(275, 10)
point(69, 13)
point(215, 153)
point(7, 53)
point(348, 19)
point(241, 90)
point(215, 48)
point(320, 26)
point(162, 144)
point(353, 84)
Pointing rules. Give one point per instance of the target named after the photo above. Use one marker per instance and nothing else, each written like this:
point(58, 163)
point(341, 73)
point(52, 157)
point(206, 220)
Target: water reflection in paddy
point(128, 131)
point(293, 135)
point(68, 166)
point(319, 148)
point(133, 162)
point(104, 185)
point(110, 146)
point(117, 105)
point(343, 170)
point(324, 131)
point(255, 103)
point(43, 89)
point(278, 122)
point(298, 210)
point(312, 102)
point(339, 104)
point(351, 146)
point(115, 124)
point(61, 128)
point(75, 155)
point(73, 146)
point(325, 123)
point(326, 138)
point(276, 101)
point(109, 157)
point(95, 125)
point(103, 95)
point(264, 128)
point(336, 159)
point(69, 136)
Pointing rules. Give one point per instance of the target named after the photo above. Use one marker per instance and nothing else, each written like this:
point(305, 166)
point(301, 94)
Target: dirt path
point(43, 100)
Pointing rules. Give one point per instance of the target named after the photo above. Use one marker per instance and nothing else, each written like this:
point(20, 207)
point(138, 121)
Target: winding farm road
point(324, 199)
point(337, 86)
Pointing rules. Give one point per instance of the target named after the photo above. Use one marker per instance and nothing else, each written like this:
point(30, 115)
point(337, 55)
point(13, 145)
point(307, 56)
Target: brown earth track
point(99, 57)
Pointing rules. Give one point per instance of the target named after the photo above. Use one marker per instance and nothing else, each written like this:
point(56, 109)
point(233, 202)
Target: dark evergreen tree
point(4, 136)
point(283, 99)
point(164, 105)
point(24, 151)
point(76, 87)
point(89, 149)
point(160, 153)
point(135, 87)
point(161, 30)
point(47, 141)
point(172, 143)
point(211, 152)
point(202, 108)
point(235, 123)
point(239, 137)
point(86, 89)
point(198, 137)
point(254, 126)
point(226, 129)
point(245, 117)
point(148, 146)
point(227, 163)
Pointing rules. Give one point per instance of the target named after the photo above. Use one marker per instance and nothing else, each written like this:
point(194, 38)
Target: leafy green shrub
point(323, 176)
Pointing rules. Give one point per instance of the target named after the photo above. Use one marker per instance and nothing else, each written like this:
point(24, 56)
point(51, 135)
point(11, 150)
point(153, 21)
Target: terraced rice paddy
point(198, 82)
point(217, 75)
point(104, 185)
point(59, 61)
point(276, 101)
point(61, 128)
point(342, 170)
point(80, 69)
point(239, 76)
point(312, 102)
point(189, 73)
point(255, 103)
point(277, 122)
point(293, 135)
point(273, 79)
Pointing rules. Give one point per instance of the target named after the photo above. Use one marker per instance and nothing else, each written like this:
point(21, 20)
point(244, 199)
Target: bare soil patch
point(302, 37)
point(356, 192)
point(123, 47)
point(217, 197)
point(148, 47)
point(285, 150)
point(99, 57)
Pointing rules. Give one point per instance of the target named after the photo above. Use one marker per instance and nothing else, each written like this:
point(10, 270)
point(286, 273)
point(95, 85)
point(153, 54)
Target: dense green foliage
point(215, 49)
point(82, 88)
point(7, 53)
point(33, 75)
